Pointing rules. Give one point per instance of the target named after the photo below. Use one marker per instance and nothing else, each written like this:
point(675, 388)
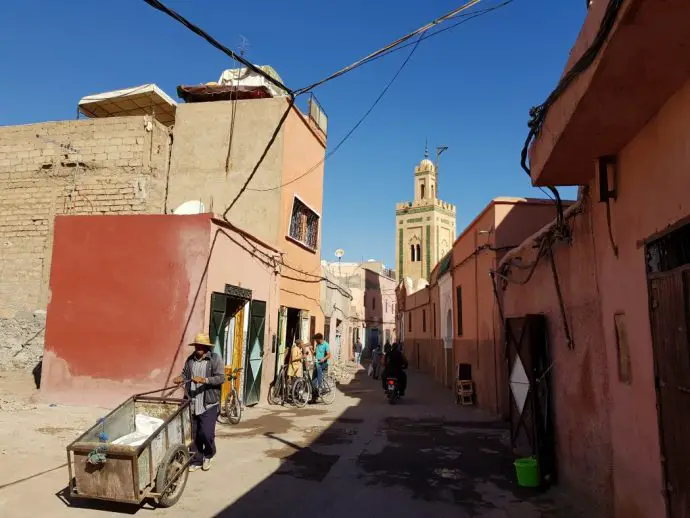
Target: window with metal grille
point(424, 320)
point(670, 251)
point(458, 298)
point(304, 225)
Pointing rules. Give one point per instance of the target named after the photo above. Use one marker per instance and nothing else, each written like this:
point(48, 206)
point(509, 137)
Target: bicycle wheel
point(301, 392)
point(327, 391)
point(233, 408)
point(275, 394)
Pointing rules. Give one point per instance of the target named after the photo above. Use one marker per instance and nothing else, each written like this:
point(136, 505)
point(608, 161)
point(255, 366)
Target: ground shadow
point(397, 464)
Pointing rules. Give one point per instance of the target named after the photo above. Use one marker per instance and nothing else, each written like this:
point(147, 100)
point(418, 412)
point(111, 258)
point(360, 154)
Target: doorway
point(668, 274)
point(227, 330)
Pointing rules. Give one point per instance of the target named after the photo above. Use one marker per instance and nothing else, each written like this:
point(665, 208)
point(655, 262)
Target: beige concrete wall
point(97, 166)
point(301, 151)
point(200, 153)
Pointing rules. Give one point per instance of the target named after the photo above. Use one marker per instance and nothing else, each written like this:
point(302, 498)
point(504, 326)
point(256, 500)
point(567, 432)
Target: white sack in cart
point(145, 426)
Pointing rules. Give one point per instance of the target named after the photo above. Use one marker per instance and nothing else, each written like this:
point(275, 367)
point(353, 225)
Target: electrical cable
point(388, 47)
point(156, 4)
point(538, 113)
point(353, 129)
point(430, 34)
point(276, 131)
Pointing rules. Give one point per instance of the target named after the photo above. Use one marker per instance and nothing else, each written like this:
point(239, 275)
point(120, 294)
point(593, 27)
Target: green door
point(255, 352)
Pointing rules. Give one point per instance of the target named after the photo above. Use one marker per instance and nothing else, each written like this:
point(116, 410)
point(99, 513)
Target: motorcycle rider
point(395, 365)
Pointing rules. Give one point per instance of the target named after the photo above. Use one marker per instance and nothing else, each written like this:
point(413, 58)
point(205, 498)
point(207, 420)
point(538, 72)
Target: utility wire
point(156, 4)
point(538, 113)
point(423, 36)
point(353, 129)
point(271, 141)
point(466, 17)
point(388, 47)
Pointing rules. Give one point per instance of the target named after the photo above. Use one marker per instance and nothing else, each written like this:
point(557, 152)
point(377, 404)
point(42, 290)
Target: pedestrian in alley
point(295, 365)
point(357, 351)
point(203, 375)
point(322, 356)
point(375, 367)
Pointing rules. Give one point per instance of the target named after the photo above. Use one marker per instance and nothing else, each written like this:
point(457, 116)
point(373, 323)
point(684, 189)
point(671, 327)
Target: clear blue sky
point(469, 88)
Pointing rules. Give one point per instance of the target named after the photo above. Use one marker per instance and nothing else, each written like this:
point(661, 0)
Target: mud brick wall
point(114, 165)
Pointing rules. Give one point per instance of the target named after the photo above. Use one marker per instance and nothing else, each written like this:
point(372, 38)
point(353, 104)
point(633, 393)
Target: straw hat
point(202, 339)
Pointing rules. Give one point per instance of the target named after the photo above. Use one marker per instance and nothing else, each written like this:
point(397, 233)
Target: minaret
point(425, 227)
point(425, 179)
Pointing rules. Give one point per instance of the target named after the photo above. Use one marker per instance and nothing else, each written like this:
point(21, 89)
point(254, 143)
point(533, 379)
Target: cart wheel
point(172, 473)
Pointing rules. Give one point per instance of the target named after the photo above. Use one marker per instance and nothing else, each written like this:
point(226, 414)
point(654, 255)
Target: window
point(458, 298)
point(412, 254)
point(409, 321)
point(423, 188)
point(304, 225)
point(424, 320)
point(418, 247)
point(433, 320)
point(386, 306)
point(373, 302)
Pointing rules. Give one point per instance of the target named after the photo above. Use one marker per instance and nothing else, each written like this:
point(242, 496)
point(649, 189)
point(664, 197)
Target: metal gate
point(255, 352)
point(531, 425)
point(668, 268)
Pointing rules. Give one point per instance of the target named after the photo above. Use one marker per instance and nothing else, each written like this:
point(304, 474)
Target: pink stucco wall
point(130, 292)
point(122, 291)
point(654, 192)
point(241, 261)
point(624, 470)
point(579, 376)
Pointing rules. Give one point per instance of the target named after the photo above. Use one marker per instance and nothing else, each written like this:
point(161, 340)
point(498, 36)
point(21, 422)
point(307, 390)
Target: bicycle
point(231, 411)
point(303, 387)
point(279, 392)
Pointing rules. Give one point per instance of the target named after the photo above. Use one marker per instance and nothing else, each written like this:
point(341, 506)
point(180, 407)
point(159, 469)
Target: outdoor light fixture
point(606, 177)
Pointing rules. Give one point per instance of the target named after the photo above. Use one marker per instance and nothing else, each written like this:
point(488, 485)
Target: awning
point(210, 93)
point(139, 100)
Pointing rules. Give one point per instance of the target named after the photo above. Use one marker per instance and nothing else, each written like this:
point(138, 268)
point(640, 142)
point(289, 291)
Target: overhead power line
point(353, 129)
point(390, 46)
point(156, 4)
point(423, 36)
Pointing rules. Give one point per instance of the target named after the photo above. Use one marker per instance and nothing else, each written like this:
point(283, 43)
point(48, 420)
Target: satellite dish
point(339, 253)
point(190, 207)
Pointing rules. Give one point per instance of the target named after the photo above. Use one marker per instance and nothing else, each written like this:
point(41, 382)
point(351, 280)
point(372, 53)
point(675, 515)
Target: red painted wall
point(121, 292)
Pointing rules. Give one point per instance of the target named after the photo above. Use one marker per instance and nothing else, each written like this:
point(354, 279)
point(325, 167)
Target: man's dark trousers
point(204, 435)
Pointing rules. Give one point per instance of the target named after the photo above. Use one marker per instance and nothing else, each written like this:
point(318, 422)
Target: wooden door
point(669, 309)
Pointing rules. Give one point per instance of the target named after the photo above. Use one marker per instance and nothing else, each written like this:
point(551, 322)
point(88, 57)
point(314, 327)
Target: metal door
point(531, 427)
point(255, 352)
point(670, 310)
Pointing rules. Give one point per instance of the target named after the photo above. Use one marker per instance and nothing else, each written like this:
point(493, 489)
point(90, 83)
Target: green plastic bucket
point(527, 471)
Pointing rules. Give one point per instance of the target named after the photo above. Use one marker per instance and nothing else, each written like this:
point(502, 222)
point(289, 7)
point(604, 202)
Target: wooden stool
point(464, 392)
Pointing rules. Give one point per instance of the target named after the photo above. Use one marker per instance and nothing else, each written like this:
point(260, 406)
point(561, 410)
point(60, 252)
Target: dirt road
point(359, 457)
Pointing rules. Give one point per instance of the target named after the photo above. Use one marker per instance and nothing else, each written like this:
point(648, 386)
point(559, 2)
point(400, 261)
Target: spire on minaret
point(426, 148)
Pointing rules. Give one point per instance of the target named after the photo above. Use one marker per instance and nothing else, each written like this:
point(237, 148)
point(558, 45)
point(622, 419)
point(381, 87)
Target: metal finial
point(426, 148)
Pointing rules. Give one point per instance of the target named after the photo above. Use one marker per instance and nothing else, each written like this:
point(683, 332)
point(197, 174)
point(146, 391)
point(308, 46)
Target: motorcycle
point(392, 390)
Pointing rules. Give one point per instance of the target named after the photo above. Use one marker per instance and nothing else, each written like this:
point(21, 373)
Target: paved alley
point(359, 457)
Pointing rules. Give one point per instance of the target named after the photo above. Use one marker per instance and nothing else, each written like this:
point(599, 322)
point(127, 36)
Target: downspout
point(476, 294)
point(167, 172)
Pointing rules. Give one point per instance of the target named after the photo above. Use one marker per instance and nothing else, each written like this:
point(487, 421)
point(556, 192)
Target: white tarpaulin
point(248, 78)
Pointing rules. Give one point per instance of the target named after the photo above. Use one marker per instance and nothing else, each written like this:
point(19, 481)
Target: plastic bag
point(370, 371)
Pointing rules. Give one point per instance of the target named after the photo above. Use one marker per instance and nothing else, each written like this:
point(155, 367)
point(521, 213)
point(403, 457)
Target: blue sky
point(469, 88)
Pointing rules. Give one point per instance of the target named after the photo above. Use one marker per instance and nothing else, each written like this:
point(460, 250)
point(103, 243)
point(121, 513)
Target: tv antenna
point(439, 152)
point(244, 45)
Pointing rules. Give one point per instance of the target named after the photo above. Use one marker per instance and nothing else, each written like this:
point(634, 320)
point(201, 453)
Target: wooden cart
point(156, 469)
